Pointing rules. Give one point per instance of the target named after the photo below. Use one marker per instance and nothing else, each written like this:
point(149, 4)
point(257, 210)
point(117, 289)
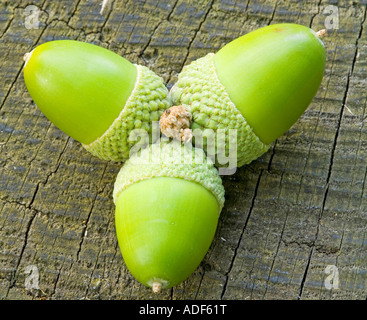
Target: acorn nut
point(257, 85)
point(95, 96)
point(168, 198)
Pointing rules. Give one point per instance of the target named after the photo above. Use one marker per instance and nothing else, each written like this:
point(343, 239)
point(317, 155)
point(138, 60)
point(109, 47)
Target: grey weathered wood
point(288, 215)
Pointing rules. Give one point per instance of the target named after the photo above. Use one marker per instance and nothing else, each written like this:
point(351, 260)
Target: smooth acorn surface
point(80, 87)
point(272, 74)
point(164, 227)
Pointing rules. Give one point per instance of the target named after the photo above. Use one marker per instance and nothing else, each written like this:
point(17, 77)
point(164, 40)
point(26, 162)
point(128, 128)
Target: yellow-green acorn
point(94, 95)
point(168, 199)
point(258, 85)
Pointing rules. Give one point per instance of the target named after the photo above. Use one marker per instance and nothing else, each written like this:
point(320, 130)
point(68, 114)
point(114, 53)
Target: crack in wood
point(107, 18)
point(196, 33)
point(276, 253)
point(273, 13)
point(316, 14)
point(84, 232)
point(331, 162)
point(29, 225)
point(241, 234)
point(168, 17)
point(12, 281)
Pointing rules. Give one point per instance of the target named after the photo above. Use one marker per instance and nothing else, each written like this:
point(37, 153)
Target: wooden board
point(293, 219)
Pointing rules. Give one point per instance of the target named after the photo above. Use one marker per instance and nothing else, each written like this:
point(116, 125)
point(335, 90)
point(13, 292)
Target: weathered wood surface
point(289, 215)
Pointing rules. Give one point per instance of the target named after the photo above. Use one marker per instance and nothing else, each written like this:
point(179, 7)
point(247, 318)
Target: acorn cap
point(94, 95)
point(170, 159)
point(258, 84)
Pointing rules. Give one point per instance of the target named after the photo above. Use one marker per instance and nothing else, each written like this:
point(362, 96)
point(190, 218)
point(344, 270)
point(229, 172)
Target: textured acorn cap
point(146, 104)
point(200, 91)
point(170, 159)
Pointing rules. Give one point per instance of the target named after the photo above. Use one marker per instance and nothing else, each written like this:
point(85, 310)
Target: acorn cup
point(257, 85)
point(168, 199)
point(95, 96)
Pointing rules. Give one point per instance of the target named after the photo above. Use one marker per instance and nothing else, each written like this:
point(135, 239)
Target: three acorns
point(226, 108)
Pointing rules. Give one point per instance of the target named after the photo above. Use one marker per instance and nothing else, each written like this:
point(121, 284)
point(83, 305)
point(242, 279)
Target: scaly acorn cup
point(94, 95)
point(168, 199)
point(258, 85)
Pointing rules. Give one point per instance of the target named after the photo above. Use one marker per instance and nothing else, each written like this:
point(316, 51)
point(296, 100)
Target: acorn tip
point(156, 286)
point(26, 56)
point(321, 33)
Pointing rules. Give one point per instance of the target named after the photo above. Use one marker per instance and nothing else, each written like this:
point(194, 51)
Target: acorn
point(95, 96)
point(168, 198)
point(258, 85)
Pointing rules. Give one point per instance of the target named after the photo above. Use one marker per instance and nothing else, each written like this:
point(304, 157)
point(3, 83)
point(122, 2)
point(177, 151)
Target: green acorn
point(257, 85)
point(168, 199)
point(94, 95)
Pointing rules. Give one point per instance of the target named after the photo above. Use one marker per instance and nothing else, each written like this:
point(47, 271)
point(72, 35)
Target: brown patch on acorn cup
point(175, 123)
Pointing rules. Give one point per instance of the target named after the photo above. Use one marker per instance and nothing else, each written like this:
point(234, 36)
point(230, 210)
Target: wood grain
point(299, 208)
